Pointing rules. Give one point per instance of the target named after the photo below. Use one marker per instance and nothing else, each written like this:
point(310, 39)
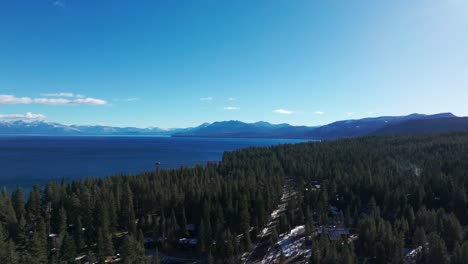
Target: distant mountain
point(236, 129)
point(35, 127)
point(366, 126)
point(50, 128)
point(109, 130)
point(339, 129)
point(425, 126)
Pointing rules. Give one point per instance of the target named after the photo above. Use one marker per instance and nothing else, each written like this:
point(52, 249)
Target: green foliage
point(38, 244)
point(68, 250)
point(435, 251)
point(78, 234)
point(132, 251)
point(8, 252)
point(460, 254)
point(397, 191)
point(419, 237)
point(155, 258)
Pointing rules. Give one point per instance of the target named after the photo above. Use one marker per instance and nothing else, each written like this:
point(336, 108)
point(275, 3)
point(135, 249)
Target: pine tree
point(78, 234)
point(128, 211)
point(315, 257)
point(68, 250)
point(183, 224)
point(210, 258)
point(273, 236)
point(62, 221)
point(260, 209)
point(8, 252)
point(173, 226)
point(435, 251)
point(33, 207)
point(419, 237)
point(17, 200)
point(347, 256)
point(132, 251)
point(244, 215)
point(460, 254)
point(309, 226)
point(155, 258)
point(91, 257)
point(104, 245)
point(347, 217)
point(7, 212)
point(87, 216)
point(228, 244)
point(409, 213)
point(38, 244)
point(20, 234)
point(162, 225)
point(452, 231)
point(202, 236)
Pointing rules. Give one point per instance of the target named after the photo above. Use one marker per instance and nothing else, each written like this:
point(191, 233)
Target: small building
point(188, 241)
point(333, 233)
point(315, 185)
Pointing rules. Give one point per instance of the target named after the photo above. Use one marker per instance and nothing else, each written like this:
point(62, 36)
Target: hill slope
point(238, 129)
point(425, 126)
point(339, 129)
point(57, 129)
point(366, 126)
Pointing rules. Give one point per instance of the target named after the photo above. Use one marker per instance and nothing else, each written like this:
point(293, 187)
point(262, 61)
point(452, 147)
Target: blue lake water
point(28, 160)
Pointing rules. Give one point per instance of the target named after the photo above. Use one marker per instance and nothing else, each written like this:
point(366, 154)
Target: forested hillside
point(399, 193)
point(101, 217)
point(395, 194)
point(425, 126)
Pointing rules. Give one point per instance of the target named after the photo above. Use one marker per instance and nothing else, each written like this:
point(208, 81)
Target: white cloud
point(319, 112)
point(209, 98)
point(51, 101)
point(370, 113)
point(350, 113)
point(231, 99)
point(27, 116)
point(11, 99)
point(231, 108)
point(58, 94)
point(282, 111)
point(88, 101)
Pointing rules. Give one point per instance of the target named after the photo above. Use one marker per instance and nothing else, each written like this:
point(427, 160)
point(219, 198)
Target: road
point(261, 246)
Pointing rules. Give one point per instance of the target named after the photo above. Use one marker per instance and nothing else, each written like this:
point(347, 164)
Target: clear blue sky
point(181, 63)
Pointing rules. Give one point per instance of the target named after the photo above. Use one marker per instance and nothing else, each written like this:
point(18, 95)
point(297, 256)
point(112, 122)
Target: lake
point(28, 160)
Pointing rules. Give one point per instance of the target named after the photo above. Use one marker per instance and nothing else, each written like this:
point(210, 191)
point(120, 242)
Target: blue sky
point(178, 63)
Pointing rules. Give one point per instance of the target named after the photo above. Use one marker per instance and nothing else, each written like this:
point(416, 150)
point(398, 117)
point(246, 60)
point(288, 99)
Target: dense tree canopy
point(397, 192)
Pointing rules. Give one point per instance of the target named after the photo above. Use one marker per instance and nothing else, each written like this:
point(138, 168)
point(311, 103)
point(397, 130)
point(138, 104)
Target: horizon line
point(218, 121)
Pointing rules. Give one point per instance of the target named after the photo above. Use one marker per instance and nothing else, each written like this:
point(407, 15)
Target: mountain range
point(49, 128)
point(414, 123)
